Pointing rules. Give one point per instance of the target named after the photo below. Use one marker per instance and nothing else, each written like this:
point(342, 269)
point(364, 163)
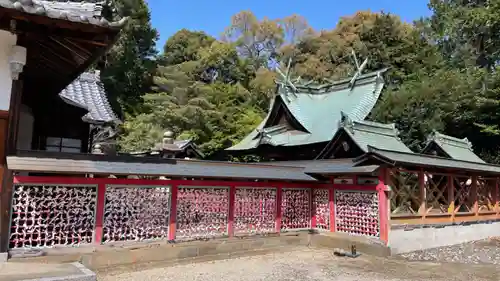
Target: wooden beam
point(89, 42)
point(71, 50)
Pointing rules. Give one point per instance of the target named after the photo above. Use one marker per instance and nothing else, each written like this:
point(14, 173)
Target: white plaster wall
point(7, 40)
point(25, 130)
point(404, 241)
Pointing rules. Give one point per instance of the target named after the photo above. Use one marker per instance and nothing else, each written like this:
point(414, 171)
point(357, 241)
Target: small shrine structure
point(304, 116)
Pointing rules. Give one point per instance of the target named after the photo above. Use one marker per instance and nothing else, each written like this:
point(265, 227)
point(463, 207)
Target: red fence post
point(173, 212)
point(99, 217)
point(383, 206)
point(279, 191)
point(230, 222)
point(312, 207)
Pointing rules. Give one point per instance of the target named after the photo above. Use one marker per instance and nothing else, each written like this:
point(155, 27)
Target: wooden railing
point(421, 197)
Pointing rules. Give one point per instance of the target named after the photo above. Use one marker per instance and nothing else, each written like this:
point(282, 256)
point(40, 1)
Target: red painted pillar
point(331, 197)
point(99, 217)
point(383, 207)
point(279, 196)
point(173, 213)
point(230, 221)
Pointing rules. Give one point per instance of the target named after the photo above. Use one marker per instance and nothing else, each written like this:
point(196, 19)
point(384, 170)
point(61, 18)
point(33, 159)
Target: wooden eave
point(57, 50)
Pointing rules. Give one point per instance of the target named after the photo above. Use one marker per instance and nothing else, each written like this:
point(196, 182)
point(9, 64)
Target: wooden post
point(173, 213)
point(8, 140)
point(473, 196)
point(230, 221)
point(451, 197)
point(421, 185)
point(99, 217)
point(279, 196)
point(383, 208)
point(495, 196)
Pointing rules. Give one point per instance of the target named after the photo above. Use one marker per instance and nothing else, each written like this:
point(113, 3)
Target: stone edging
point(86, 275)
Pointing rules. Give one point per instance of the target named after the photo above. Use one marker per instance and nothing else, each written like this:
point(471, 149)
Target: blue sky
point(214, 16)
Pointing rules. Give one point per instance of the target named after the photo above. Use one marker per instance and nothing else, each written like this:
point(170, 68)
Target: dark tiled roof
point(402, 159)
point(152, 167)
point(82, 12)
point(327, 166)
point(88, 93)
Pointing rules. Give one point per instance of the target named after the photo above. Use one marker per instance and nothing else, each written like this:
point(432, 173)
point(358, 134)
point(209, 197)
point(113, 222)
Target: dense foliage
point(442, 74)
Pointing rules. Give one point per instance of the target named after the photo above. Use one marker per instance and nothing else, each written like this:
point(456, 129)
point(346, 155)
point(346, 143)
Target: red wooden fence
point(49, 211)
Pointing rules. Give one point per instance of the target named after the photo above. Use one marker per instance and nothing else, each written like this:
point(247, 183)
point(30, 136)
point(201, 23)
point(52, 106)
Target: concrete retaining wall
point(138, 254)
point(426, 237)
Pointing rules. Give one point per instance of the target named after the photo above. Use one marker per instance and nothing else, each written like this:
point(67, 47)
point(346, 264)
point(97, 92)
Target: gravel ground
point(479, 252)
point(306, 264)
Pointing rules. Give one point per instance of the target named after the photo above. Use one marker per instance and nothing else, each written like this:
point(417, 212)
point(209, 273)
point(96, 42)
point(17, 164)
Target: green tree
point(130, 64)
point(467, 31)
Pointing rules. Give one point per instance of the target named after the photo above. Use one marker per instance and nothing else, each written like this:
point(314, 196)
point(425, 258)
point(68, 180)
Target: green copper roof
point(448, 146)
point(366, 134)
point(318, 110)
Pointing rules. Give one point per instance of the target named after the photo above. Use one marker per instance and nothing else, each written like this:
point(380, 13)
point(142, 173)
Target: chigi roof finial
point(359, 69)
point(286, 82)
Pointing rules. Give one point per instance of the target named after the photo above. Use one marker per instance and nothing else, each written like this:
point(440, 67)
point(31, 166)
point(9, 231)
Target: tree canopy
point(442, 74)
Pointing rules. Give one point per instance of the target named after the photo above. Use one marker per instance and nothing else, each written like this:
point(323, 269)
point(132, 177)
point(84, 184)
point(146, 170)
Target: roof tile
point(82, 12)
point(88, 93)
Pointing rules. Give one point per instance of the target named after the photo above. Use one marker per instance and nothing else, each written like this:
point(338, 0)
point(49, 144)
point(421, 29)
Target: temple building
point(303, 117)
point(45, 46)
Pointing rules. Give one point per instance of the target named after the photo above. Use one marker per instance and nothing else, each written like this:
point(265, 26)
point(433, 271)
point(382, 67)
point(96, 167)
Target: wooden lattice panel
point(436, 193)
point(486, 195)
point(255, 210)
point(202, 212)
point(296, 209)
point(52, 215)
point(357, 212)
point(321, 208)
point(136, 213)
point(462, 195)
point(405, 193)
